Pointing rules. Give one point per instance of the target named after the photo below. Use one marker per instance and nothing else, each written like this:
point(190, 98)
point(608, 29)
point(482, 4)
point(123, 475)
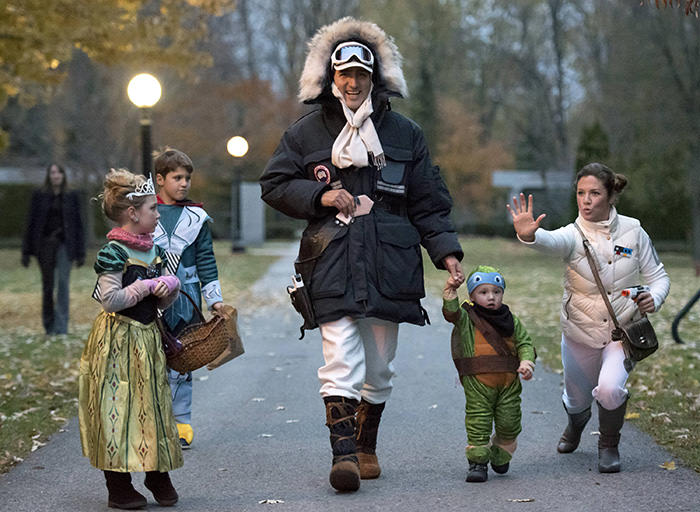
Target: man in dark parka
point(364, 273)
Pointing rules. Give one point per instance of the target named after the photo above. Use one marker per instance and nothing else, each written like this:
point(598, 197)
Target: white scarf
point(358, 140)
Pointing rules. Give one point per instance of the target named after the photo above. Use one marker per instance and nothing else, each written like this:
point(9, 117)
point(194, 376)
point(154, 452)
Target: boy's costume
point(183, 232)
point(487, 347)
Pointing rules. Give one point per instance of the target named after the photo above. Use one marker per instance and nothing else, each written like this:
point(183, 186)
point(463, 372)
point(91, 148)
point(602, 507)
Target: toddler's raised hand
point(526, 368)
point(449, 292)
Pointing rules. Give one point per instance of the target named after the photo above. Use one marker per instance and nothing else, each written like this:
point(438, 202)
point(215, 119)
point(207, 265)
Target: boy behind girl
point(183, 231)
point(490, 347)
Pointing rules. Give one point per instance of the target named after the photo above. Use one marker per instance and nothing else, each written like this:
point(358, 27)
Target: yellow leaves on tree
point(465, 161)
point(36, 36)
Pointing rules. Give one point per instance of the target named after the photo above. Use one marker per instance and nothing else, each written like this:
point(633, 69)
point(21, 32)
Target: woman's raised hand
point(524, 221)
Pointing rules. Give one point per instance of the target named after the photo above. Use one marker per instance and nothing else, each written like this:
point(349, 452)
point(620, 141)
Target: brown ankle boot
point(340, 419)
point(368, 418)
point(121, 492)
point(162, 489)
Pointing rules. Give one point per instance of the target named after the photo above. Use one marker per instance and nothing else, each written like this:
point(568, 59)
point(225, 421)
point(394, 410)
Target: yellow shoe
point(186, 434)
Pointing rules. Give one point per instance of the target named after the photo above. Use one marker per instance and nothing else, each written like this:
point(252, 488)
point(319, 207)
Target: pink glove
point(172, 282)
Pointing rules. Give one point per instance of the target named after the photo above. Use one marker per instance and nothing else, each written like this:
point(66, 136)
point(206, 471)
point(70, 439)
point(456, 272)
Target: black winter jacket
point(73, 232)
point(373, 267)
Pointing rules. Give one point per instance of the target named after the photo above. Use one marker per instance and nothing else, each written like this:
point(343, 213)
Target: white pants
point(358, 355)
point(593, 373)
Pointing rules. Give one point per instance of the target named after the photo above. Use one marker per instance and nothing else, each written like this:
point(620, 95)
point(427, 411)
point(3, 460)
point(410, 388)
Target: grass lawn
point(38, 373)
point(665, 387)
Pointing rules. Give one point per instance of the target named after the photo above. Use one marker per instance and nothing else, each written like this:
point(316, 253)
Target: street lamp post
point(144, 92)
point(237, 147)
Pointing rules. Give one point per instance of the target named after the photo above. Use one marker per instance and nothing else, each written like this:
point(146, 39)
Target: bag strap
point(491, 335)
point(616, 335)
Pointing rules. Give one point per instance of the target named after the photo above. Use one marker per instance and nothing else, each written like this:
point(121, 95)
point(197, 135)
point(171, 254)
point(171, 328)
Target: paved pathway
point(260, 435)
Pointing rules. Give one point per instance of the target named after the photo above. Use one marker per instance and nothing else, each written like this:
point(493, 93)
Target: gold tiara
point(145, 189)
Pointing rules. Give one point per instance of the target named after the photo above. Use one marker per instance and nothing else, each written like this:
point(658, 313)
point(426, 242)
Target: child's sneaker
point(478, 472)
point(186, 434)
point(502, 469)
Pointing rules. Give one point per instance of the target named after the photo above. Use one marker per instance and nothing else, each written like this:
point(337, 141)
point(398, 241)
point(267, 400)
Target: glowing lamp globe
point(144, 90)
point(237, 146)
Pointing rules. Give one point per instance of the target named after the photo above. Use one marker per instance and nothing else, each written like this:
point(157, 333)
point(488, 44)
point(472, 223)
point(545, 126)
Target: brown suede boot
point(340, 419)
point(368, 418)
point(121, 492)
point(162, 489)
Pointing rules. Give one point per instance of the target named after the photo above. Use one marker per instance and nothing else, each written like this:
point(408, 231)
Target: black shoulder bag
point(638, 338)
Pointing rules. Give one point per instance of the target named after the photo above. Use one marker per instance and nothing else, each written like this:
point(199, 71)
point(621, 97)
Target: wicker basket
point(201, 342)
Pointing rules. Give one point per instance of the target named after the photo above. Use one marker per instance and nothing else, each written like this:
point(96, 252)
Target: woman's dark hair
point(47, 179)
point(614, 183)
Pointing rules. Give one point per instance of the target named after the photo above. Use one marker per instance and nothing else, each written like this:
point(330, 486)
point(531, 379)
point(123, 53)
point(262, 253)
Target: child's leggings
point(485, 407)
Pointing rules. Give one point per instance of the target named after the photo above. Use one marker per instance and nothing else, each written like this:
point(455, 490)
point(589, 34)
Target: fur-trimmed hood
point(315, 80)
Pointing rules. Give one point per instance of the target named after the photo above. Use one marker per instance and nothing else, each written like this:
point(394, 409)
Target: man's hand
point(340, 199)
point(454, 267)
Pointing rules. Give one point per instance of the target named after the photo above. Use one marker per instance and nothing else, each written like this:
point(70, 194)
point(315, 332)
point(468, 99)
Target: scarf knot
point(358, 141)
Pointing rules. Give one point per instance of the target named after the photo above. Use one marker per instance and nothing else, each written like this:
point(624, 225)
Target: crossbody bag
point(638, 338)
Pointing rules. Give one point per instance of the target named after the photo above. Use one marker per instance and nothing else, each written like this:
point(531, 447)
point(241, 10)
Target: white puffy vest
point(584, 316)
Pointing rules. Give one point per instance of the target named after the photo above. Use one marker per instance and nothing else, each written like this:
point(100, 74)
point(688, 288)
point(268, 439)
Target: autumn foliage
point(465, 161)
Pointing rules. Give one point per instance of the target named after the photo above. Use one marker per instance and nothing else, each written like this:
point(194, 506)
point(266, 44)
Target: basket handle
point(194, 305)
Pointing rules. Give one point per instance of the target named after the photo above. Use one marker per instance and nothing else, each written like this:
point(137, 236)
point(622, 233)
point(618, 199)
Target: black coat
point(373, 267)
point(73, 232)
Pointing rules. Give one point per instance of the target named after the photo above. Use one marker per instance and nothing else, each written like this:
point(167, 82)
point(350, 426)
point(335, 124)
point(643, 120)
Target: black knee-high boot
point(368, 418)
point(610, 425)
point(121, 492)
point(340, 419)
point(571, 437)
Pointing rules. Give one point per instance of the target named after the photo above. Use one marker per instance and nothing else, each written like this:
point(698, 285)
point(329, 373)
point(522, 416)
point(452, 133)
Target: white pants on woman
point(358, 355)
point(593, 373)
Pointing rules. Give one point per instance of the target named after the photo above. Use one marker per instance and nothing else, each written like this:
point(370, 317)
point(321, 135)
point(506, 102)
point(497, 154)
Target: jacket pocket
point(392, 177)
point(330, 270)
point(399, 261)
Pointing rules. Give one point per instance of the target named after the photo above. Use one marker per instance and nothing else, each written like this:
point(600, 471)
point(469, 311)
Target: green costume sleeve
point(111, 258)
point(523, 342)
point(462, 336)
point(204, 256)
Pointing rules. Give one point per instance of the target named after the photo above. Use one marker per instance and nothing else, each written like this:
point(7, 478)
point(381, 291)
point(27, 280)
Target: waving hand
point(524, 221)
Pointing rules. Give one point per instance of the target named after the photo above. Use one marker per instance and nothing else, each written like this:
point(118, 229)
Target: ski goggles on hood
point(352, 54)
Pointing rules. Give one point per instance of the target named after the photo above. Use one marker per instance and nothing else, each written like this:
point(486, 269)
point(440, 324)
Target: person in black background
point(55, 235)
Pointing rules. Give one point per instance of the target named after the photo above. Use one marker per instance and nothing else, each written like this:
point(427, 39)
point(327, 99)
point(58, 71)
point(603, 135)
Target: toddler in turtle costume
point(490, 347)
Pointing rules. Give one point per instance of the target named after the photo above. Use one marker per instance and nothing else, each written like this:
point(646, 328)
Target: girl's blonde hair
point(117, 184)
